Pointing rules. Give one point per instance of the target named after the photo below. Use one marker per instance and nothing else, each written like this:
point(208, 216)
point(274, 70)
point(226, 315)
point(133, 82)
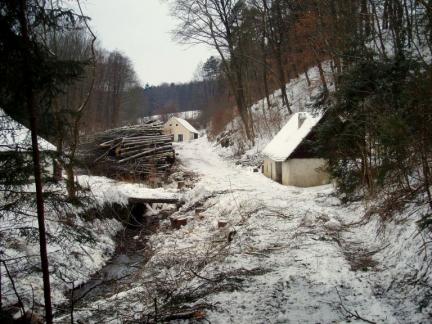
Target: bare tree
point(119, 76)
point(216, 23)
point(277, 19)
point(69, 106)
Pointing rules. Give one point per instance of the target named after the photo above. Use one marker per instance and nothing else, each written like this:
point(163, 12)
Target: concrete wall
point(304, 173)
point(299, 172)
point(176, 128)
point(270, 169)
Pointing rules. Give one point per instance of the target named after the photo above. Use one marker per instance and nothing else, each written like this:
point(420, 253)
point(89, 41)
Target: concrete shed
point(181, 129)
point(289, 157)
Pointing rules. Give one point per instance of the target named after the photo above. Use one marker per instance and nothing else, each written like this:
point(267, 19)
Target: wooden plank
point(137, 200)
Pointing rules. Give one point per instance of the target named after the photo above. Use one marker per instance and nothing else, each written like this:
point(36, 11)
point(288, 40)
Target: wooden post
point(180, 184)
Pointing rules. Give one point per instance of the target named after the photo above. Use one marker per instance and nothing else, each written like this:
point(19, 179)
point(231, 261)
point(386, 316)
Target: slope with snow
point(268, 120)
point(287, 255)
point(77, 247)
point(16, 137)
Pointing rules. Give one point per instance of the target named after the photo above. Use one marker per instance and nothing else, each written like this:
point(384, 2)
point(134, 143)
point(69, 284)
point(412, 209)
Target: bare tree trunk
point(31, 105)
point(307, 78)
point(70, 173)
point(282, 81)
point(266, 89)
point(322, 76)
point(242, 105)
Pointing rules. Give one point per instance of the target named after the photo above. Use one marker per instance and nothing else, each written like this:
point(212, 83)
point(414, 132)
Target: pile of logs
point(139, 150)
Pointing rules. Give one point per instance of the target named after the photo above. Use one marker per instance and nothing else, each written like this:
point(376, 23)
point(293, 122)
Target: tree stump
point(222, 223)
point(180, 184)
point(199, 210)
point(199, 213)
point(176, 223)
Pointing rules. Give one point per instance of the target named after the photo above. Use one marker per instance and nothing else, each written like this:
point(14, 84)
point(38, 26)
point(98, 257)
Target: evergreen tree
point(31, 77)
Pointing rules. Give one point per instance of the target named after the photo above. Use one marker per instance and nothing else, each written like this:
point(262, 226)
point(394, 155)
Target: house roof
point(16, 137)
point(186, 124)
point(291, 136)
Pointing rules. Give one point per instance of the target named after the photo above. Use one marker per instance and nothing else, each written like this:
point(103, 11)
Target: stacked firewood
point(139, 150)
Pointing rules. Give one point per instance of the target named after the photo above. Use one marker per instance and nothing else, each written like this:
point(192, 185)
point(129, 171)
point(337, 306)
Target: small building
point(181, 129)
point(290, 157)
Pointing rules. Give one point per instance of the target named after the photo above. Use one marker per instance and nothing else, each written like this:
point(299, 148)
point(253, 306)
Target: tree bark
point(31, 105)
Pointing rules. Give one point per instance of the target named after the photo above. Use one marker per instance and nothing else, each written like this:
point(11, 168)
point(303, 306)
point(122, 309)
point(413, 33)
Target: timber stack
point(141, 151)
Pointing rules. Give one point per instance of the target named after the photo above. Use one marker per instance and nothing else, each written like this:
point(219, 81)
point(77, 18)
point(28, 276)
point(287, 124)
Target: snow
point(186, 124)
point(77, 248)
point(16, 137)
point(292, 257)
point(291, 136)
point(108, 190)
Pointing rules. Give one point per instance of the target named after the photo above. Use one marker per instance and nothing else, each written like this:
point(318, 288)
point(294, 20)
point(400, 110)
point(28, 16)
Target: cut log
point(148, 152)
point(199, 210)
point(176, 223)
point(137, 150)
point(180, 184)
point(137, 200)
point(222, 223)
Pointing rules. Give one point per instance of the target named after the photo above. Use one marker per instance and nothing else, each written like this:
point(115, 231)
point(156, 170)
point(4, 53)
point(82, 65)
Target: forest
point(373, 65)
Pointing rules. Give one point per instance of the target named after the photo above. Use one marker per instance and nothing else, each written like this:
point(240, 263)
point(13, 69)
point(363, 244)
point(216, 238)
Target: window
point(195, 135)
point(176, 124)
point(170, 124)
point(180, 137)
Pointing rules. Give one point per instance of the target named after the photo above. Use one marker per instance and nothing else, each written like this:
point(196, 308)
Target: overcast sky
point(141, 30)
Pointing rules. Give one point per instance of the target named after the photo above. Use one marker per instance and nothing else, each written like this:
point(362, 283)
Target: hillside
point(268, 120)
point(283, 254)
point(286, 254)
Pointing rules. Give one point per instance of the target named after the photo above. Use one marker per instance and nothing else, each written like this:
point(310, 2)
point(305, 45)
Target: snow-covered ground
point(287, 255)
point(80, 243)
point(77, 248)
point(106, 190)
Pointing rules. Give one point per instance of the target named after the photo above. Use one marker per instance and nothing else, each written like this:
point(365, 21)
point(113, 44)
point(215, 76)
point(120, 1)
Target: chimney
point(301, 118)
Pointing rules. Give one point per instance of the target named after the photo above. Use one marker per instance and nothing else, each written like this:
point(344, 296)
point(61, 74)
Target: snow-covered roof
point(291, 135)
point(16, 137)
point(186, 124)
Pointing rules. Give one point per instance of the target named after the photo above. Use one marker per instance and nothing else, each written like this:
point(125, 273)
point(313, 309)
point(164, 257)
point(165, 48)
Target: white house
point(181, 129)
point(289, 159)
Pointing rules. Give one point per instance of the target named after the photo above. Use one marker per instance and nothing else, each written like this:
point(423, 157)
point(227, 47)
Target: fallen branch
point(351, 314)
